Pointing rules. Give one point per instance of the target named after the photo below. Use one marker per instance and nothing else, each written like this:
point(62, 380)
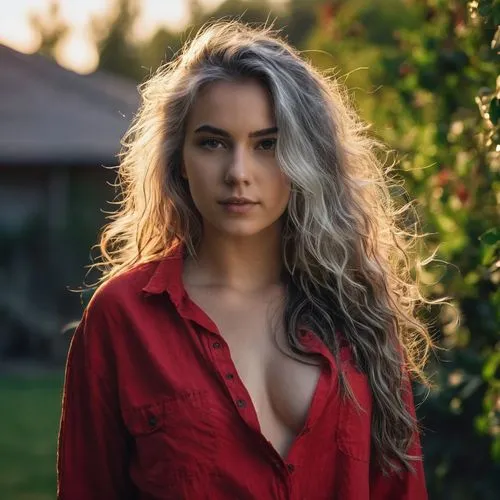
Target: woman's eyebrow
point(264, 131)
point(223, 133)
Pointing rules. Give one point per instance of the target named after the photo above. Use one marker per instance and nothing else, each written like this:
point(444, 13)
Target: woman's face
point(229, 151)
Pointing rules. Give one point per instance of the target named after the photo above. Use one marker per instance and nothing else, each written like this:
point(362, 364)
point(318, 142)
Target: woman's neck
point(246, 264)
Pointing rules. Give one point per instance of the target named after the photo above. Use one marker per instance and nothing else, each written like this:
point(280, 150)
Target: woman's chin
point(242, 229)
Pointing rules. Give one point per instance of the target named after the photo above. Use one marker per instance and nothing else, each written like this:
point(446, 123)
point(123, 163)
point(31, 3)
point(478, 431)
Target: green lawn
point(29, 420)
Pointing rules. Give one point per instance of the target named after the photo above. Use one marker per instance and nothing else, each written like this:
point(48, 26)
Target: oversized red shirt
point(153, 408)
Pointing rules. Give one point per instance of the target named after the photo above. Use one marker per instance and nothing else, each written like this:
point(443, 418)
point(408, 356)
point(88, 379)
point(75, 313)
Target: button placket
point(226, 370)
point(218, 346)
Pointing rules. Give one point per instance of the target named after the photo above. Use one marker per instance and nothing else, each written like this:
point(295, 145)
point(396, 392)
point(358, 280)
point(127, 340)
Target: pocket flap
point(145, 419)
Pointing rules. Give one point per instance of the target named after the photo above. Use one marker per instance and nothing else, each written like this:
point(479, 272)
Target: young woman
point(255, 329)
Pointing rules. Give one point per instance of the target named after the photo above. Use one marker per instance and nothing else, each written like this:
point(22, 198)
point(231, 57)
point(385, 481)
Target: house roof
point(52, 116)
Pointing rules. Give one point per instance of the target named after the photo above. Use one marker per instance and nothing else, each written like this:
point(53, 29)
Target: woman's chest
point(280, 383)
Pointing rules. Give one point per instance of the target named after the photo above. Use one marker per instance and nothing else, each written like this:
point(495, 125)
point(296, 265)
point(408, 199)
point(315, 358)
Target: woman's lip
point(237, 201)
point(238, 208)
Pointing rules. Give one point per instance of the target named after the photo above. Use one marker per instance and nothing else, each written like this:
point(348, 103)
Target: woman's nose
point(238, 168)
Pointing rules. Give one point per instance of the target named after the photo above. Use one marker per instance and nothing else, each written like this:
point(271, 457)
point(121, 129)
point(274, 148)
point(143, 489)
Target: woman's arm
point(92, 447)
point(407, 485)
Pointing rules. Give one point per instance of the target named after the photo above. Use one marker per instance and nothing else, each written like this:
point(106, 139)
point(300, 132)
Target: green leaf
point(496, 13)
point(495, 449)
point(494, 111)
point(491, 365)
point(486, 253)
point(481, 424)
point(490, 237)
point(485, 8)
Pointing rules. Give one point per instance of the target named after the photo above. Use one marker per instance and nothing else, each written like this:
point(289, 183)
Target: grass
point(29, 421)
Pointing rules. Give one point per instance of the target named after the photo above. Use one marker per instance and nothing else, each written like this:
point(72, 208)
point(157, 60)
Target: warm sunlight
point(77, 52)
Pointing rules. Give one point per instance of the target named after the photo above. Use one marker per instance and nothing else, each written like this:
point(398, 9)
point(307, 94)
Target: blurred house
point(58, 132)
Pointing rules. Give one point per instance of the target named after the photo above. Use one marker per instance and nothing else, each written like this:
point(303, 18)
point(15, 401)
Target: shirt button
point(216, 345)
point(241, 403)
point(229, 376)
point(278, 464)
point(290, 467)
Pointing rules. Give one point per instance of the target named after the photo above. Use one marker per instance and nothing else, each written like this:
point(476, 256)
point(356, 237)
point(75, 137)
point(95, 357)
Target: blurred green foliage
point(425, 74)
point(29, 410)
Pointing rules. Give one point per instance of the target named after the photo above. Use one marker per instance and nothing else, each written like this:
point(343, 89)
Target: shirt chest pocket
point(172, 434)
point(354, 433)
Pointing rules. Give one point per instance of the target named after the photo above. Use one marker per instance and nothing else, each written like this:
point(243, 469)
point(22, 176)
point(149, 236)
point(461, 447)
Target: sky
point(77, 51)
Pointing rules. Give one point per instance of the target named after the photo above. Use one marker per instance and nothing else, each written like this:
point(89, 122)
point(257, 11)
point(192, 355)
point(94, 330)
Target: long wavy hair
point(347, 248)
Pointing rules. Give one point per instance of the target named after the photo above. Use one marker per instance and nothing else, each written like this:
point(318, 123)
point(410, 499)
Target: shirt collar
point(167, 276)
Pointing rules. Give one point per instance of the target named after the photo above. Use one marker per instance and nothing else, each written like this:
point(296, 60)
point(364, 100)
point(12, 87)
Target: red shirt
point(153, 408)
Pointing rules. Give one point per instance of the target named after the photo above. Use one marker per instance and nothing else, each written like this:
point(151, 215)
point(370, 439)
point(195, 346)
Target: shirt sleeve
point(92, 444)
point(407, 485)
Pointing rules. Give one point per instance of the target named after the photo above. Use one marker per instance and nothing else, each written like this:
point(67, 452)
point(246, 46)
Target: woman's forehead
point(229, 102)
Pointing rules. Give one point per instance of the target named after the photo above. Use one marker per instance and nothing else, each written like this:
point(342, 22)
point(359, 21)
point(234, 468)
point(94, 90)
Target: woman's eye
point(267, 144)
point(211, 143)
